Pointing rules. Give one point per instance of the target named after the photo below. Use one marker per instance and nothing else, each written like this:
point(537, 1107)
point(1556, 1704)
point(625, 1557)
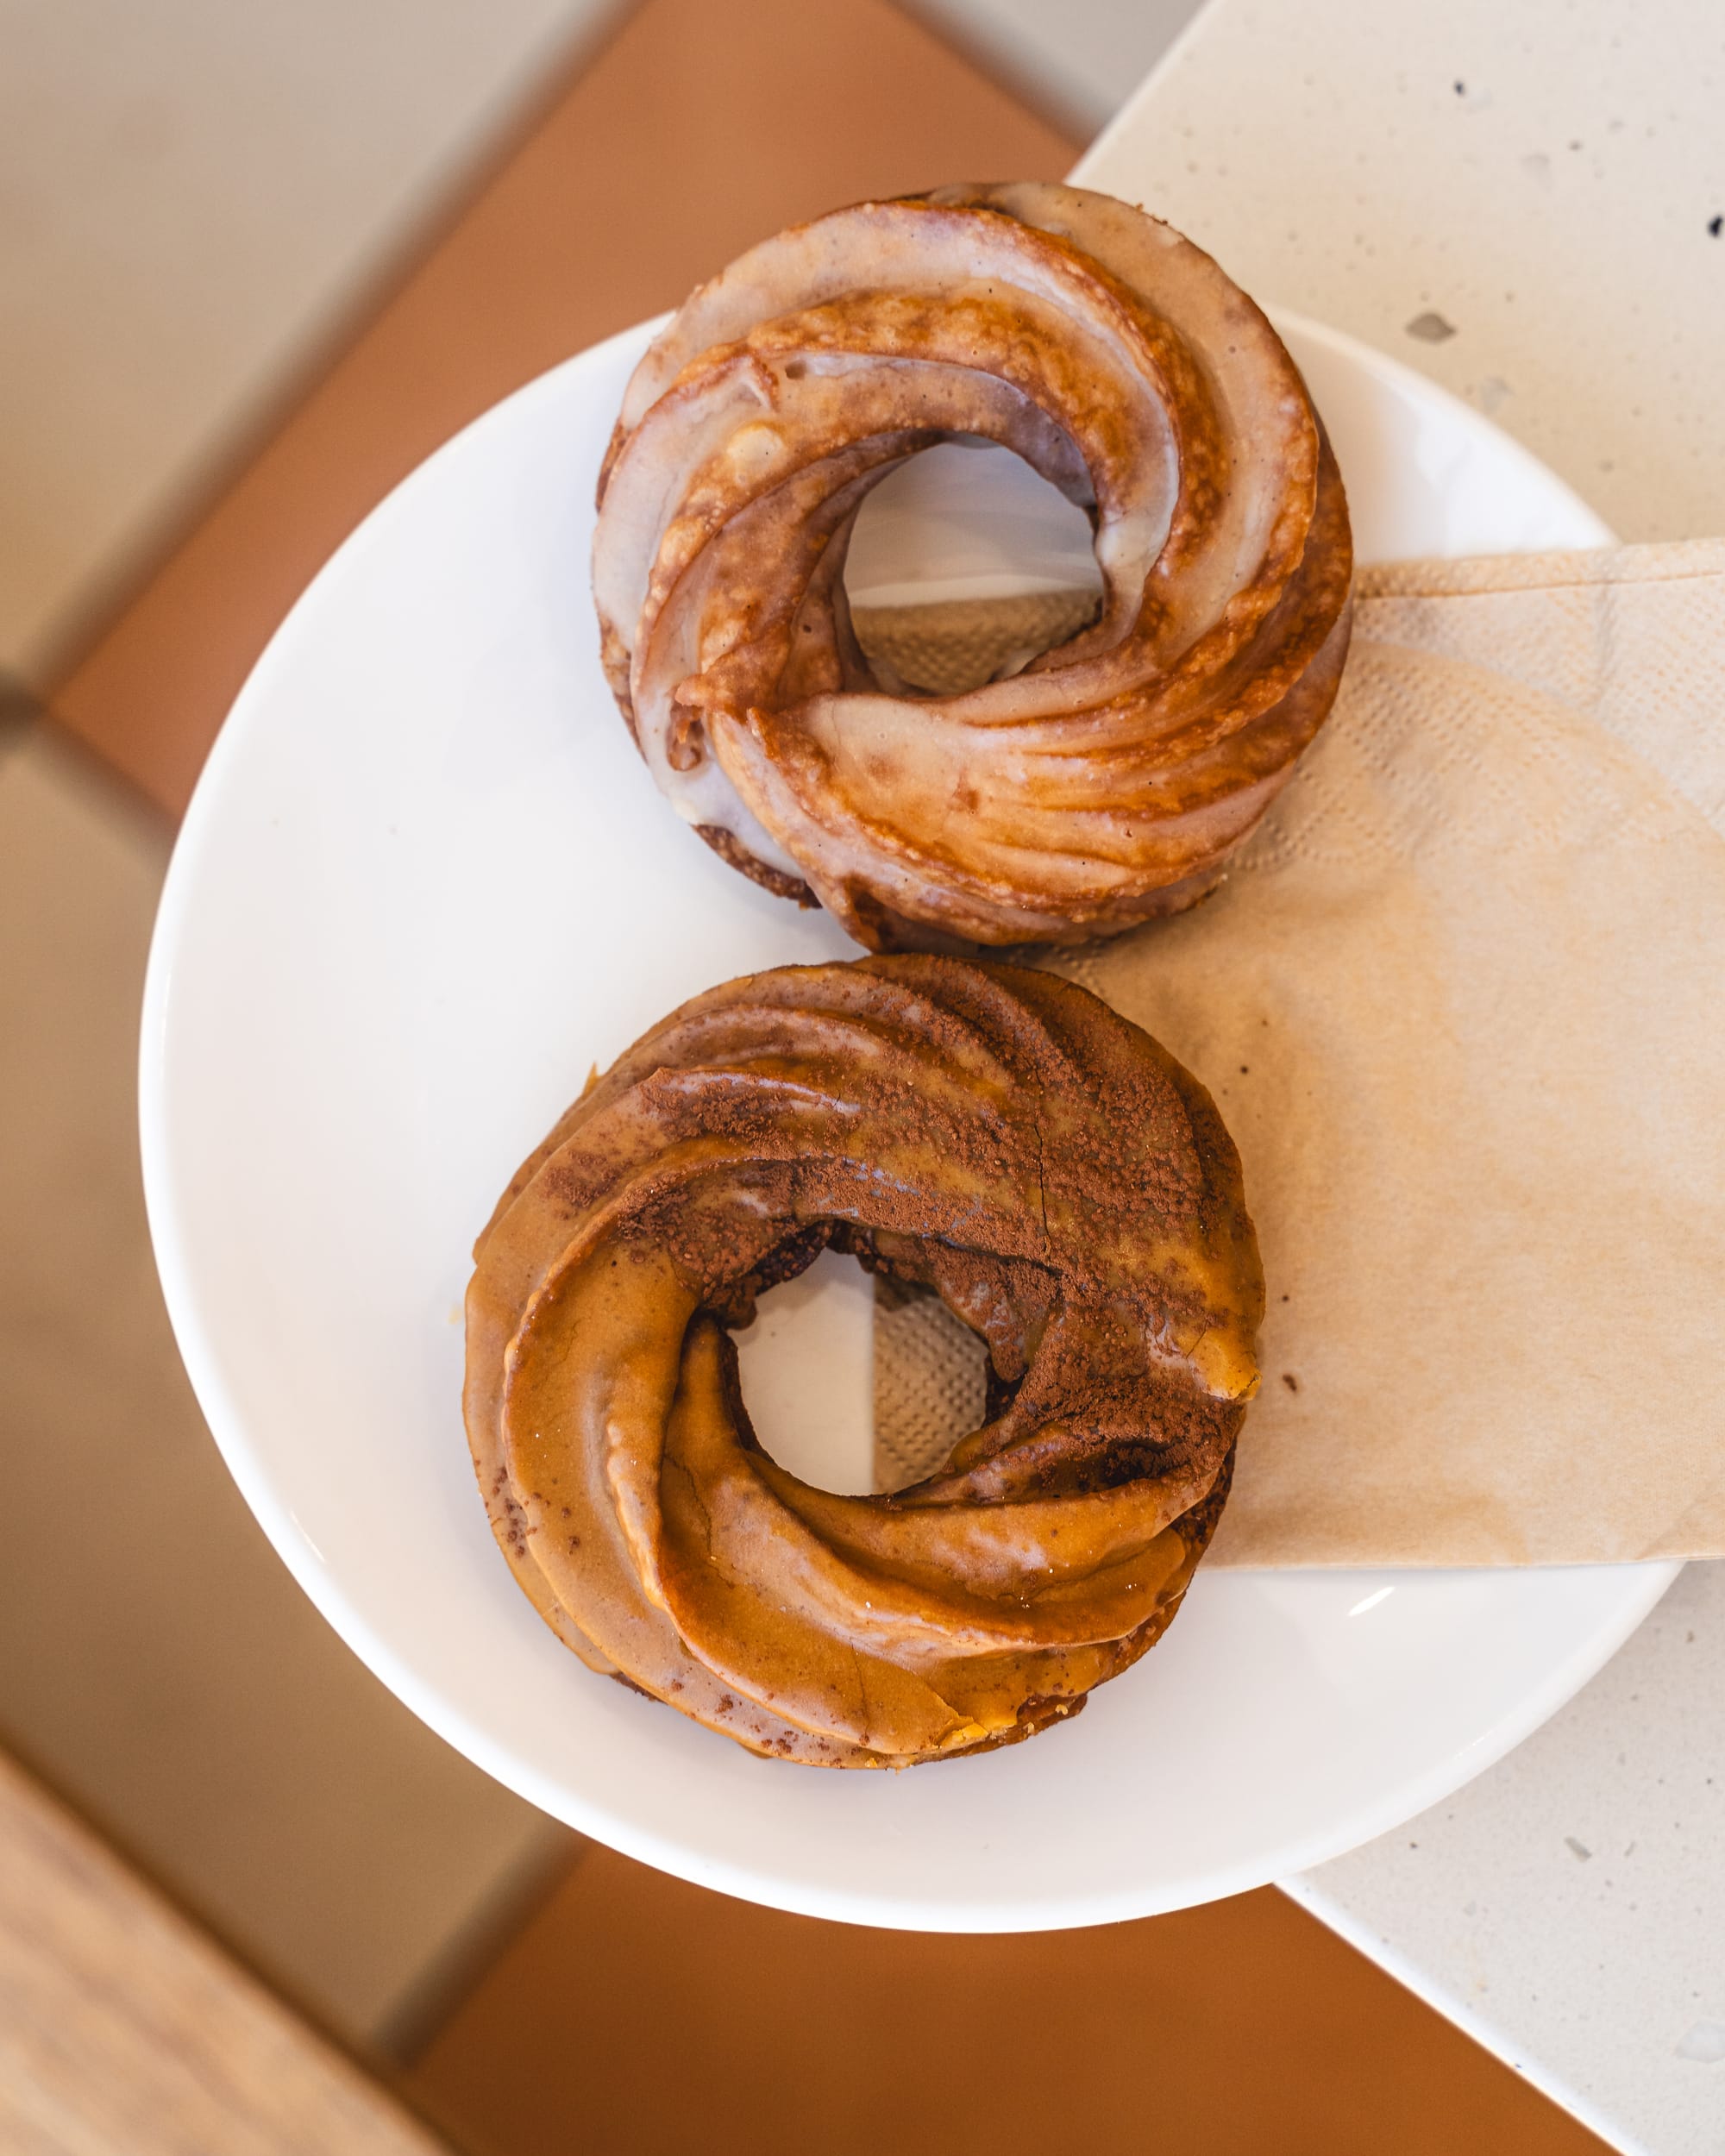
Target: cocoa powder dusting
point(994, 1137)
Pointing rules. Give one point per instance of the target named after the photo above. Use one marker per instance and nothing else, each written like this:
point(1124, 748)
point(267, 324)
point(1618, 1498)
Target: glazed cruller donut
point(1109, 779)
point(996, 1135)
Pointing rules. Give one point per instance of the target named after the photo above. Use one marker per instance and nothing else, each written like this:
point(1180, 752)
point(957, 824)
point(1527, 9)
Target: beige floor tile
point(191, 194)
point(157, 1664)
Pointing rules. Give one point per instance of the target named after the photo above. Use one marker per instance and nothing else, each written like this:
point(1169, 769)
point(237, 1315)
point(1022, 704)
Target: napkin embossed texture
point(1461, 1001)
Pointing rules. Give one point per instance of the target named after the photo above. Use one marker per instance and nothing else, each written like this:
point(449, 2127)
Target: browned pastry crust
point(729, 848)
point(998, 1135)
point(1109, 779)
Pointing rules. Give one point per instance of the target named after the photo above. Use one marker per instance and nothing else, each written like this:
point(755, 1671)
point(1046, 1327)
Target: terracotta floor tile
point(638, 2016)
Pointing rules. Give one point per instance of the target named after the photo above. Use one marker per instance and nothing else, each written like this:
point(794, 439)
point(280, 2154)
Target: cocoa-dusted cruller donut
point(1109, 778)
point(996, 1135)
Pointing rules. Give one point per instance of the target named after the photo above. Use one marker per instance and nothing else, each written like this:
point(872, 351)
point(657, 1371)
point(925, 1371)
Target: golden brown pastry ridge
point(1106, 781)
point(995, 1135)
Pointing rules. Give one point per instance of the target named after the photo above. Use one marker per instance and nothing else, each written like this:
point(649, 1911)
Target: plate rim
point(1645, 1583)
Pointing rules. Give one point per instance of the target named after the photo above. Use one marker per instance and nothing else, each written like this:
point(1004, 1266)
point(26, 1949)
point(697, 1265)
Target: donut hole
point(855, 1383)
point(964, 566)
point(806, 1368)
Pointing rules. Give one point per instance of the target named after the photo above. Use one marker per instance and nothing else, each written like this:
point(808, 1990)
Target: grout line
point(19, 703)
point(35, 717)
point(21, 714)
point(439, 1989)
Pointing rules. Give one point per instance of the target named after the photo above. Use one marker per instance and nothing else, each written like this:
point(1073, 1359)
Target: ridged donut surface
point(1109, 779)
point(997, 1135)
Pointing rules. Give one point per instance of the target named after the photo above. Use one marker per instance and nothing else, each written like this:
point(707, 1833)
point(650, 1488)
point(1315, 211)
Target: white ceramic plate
point(424, 884)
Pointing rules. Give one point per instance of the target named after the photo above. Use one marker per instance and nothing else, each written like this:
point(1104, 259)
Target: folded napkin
point(1461, 1001)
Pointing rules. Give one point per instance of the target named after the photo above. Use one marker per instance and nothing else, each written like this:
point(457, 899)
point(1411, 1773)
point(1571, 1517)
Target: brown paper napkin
point(1462, 1002)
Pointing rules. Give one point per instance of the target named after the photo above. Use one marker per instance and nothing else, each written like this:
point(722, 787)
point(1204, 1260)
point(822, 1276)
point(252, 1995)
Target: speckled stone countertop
point(1526, 202)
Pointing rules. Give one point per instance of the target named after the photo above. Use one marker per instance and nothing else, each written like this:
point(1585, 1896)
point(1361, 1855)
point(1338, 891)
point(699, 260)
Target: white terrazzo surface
point(1531, 183)
point(1568, 1908)
point(1528, 203)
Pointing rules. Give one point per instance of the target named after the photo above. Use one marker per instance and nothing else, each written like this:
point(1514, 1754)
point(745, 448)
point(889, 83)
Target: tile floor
point(638, 2016)
point(192, 196)
point(157, 1664)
